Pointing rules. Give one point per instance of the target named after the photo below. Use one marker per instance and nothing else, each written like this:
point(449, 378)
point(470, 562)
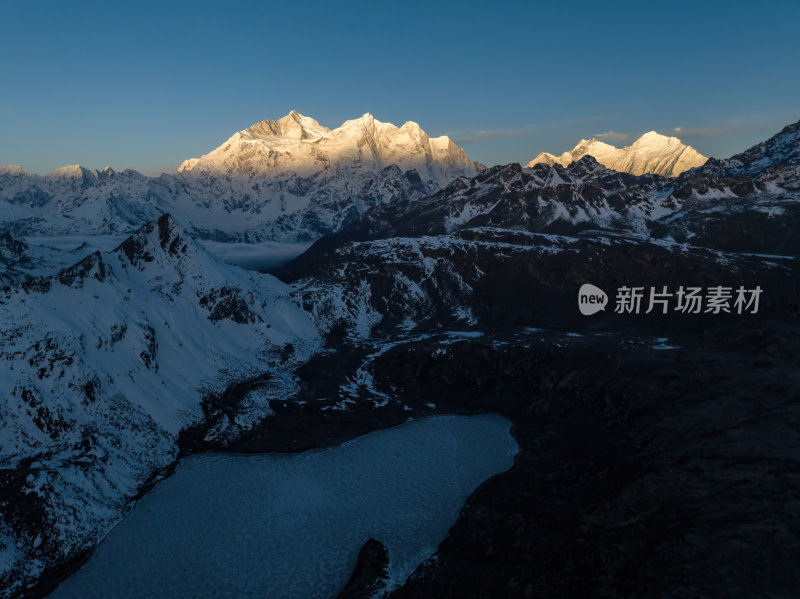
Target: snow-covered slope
point(549, 199)
point(219, 207)
point(103, 364)
point(651, 153)
point(776, 160)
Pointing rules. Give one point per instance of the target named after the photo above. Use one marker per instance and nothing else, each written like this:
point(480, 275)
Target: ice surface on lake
point(291, 525)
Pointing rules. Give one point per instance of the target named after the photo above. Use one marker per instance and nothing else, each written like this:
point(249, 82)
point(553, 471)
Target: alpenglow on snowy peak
point(298, 144)
point(651, 153)
point(290, 180)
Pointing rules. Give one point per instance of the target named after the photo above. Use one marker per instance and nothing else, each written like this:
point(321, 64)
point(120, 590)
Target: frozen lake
point(291, 525)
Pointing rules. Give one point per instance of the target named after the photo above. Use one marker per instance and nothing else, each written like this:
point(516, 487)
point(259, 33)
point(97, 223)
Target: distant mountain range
point(293, 181)
point(299, 145)
point(286, 180)
point(586, 197)
point(652, 153)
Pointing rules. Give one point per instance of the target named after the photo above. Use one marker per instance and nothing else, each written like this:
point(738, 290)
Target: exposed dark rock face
point(505, 278)
point(227, 303)
point(11, 249)
point(642, 472)
point(91, 266)
point(370, 574)
point(14, 256)
point(139, 250)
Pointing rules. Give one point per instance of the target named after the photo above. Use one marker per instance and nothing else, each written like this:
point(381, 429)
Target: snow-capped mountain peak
point(299, 145)
point(651, 153)
point(294, 126)
point(653, 141)
point(11, 169)
point(73, 171)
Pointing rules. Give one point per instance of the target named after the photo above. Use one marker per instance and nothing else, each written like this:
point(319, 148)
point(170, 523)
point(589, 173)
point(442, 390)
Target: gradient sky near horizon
point(147, 84)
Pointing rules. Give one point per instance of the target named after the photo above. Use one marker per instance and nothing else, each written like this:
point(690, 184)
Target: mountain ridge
point(226, 207)
point(652, 153)
point(298, 144)
point(289, 180)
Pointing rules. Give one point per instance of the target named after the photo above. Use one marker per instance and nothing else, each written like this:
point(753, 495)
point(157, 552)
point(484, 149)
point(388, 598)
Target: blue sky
point(145, 84)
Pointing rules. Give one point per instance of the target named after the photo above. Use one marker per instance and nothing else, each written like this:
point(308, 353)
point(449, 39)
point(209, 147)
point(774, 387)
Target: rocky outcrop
point(370, 574)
